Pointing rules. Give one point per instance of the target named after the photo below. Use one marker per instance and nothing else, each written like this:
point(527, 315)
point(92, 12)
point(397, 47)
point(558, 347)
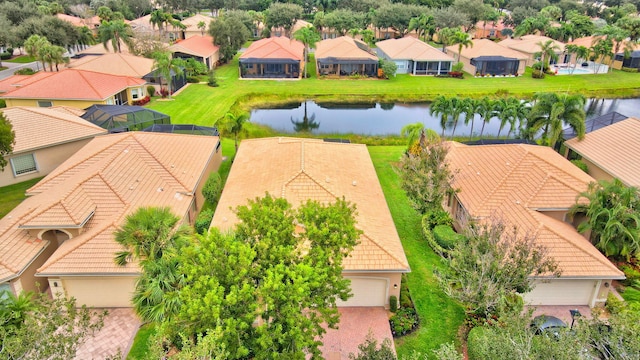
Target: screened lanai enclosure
point(347, 67)
point(120, 118)
point(269, 68)
point(495, 65)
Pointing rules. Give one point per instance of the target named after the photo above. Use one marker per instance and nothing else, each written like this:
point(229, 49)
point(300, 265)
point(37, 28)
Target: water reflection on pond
point(388, 119)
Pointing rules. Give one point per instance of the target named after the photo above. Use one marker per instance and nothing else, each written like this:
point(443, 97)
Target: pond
point(388, 119)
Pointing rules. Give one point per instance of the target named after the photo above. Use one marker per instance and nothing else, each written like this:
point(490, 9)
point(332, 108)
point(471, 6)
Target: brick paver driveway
point(120, 327)
point(355, 323)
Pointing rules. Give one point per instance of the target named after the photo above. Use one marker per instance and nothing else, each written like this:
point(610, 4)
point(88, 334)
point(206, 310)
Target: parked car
point(547, 324)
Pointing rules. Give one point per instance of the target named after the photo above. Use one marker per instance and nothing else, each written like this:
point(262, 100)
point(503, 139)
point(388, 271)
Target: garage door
point(562, 292)
point(101, 291)
point(366, 292)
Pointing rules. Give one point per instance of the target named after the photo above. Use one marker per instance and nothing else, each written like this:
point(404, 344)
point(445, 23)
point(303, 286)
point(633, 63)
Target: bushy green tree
point(369, 350)
point(425, 176)
point(34, 326)
point(212, 188)
point(283, 15)
point(388, 67)
point(7, 139)
point(494, 265)
point(229, 33)
point(267, 278)
point(613, 217)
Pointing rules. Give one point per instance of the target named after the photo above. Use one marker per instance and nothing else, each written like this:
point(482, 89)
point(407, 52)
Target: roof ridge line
point(504, 179)
point(162, 165)
point(559, 169)
point(82, 75)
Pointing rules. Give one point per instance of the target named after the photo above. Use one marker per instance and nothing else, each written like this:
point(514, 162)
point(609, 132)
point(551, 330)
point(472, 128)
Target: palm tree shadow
point(308, 123)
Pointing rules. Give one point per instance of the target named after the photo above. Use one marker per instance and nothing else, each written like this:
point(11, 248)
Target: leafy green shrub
point(457, 67)
point(193, 79)
point(388, 67)
point(393, 303)
point(3, 103)
point(537, 74)
point(24, 71)
point(5, 56)
point(446, 237)
point(473, 340)
point(437, 217)
point(405, 296)
point(628, 69)
point(632, 274)
point(10, 50)
point(212, 81)
point(613, 304)
point(151, 90)
point(203, 221)
point(212, 188)
point(427, 233)
point(581, 165)
point(404, 322)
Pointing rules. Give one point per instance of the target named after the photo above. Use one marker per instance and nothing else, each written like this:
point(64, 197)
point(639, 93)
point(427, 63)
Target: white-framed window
point(23, 164)
point(110, 101)
point(45, 103)
point(135, 93)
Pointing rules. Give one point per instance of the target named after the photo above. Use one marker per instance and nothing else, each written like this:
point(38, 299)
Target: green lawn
point(13, 195)
point(140, 345)
point(440, 317)
point(203, 105)
point(24, 59)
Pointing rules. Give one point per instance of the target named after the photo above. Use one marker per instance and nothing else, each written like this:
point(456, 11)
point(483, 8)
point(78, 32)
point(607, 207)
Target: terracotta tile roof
point(485, 47)
point(68, 110)
point(16, 81)
point(302, 169)
point(499, 25)
point(344, 47)
point(528, 44)
point(37, 127)
point(586, 41)
point(72, 84)
point(517, 183)
point(197, 45)
point(115, 64)
point(192, 22)
point(112, 176)
point(91, 22)
point(275, 48)
point(100, 49)
point(410, 48)
point(614, 148)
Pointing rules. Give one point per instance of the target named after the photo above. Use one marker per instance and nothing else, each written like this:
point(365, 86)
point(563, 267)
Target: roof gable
point(344, 47)
point(195, 45)
point(529, 43)
point(115, 64)
point(275, 48)
point(410, 48)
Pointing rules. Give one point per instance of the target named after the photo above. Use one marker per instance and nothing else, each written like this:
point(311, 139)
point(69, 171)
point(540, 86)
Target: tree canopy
point(229, 33)
point(7, 139)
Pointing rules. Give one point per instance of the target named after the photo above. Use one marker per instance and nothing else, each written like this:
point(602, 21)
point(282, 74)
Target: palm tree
point(166, 65)
point(412, 133)
point(618, 37)
point(486, 110)
point(57, 56)
point(552, 111)
point(307, 124)
point(85, 36)
point(309, 37)
point(462, 39)
point(602, 48)
point(150, 236)
point(457, 108)
point(441, 106)
point(445, 35)
point(46, 54)
point(114, 32)
point(470, 108)
point(32, 46)
point(158, 18)
point(423, 25)
point(234, 124)
point(548, 51)
point(612, 217)
point(202, 26)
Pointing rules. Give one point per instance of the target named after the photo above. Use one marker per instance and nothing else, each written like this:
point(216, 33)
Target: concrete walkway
point(355, 324)
point(120, 327)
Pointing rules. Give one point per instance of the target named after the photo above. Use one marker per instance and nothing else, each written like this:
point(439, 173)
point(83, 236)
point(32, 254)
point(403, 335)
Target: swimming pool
point(576, 71)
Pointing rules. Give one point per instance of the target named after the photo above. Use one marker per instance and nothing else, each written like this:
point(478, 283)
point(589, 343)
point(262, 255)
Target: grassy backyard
point(13, 195)
point(24, 59)
point(203, 105)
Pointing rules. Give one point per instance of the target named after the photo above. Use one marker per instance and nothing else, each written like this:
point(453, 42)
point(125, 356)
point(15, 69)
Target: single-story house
point(344, 56)
point(490, 30)
point(71, 87)
point(610, 152)
point(273, 58)
point(486, 57)
point(529, 46)
point(191, 26)
point(198, 47)
point(415, 57)
point(44, 139)
point(100, 49)
point(62, 235)
point(310, 169)
point(531, 188)
point(143, 28)
point(92, 23)
point(127, 65)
